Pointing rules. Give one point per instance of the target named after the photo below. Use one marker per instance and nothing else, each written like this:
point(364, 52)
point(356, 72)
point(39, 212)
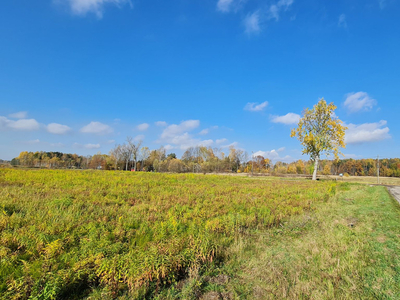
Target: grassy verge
point(347, 248)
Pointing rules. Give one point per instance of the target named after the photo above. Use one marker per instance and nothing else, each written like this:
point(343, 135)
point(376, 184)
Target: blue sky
point(78, 76)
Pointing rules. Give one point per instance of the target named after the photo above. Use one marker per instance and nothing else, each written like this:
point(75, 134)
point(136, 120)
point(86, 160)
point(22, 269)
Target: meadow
point(74, 234)
point(69, 234)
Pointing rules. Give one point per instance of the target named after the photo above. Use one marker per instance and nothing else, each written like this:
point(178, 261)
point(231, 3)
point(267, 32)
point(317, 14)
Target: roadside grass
point(345, 248)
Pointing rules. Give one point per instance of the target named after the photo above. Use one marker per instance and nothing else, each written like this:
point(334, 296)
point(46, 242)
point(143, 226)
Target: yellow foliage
point(53, 248)
point(320, 131)
point(327, 169)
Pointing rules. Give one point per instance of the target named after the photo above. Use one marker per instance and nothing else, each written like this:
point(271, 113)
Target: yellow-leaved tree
point(320, 132)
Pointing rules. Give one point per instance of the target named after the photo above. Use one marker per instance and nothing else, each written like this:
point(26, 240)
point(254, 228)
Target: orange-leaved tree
point(320, 132)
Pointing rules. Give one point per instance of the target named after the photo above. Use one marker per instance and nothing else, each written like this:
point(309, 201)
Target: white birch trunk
point(314, 176)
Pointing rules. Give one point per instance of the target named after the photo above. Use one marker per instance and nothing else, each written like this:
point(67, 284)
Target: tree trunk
point(134, 168)
point(314, 176)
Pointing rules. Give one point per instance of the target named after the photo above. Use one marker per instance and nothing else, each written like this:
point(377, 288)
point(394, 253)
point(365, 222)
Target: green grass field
point(104, 235)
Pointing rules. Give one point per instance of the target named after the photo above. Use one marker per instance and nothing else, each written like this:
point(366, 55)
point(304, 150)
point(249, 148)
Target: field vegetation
point(128, 235)
point(346, 248)
point(70, 234)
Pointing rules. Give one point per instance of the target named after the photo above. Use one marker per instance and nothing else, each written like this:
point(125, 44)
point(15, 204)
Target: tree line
point(132, 156)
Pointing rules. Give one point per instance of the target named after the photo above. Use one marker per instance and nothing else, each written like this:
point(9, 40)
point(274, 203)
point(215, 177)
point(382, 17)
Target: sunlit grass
point(67, 234)
point(347, 248)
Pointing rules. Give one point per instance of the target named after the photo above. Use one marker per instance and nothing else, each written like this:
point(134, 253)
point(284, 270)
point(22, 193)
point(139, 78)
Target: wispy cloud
point(207, 130)
point(139, 137)
point(58, 128)
point(33, 142)
point(252, 106)
point(83, 7)
point(91, 146)
point(224, 5)
point(342, 21)
point(367, 132)
point(289, 118)
point(234, 144)
point(275, 9)
point(221, 141)
point(96, 128)
point(359, 101)
point(252, 23)
point(161, 123)
point(204, 131)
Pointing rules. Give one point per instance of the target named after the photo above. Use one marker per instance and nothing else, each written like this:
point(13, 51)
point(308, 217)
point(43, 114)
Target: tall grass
point(64, 234)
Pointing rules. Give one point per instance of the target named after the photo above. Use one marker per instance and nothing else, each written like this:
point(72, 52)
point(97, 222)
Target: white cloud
point(139, 137)
point(281, 149)
point(234, 144)
point(22, 124)
point(59, 145)
point(18, 115)
point(255, 106)
point(342, 21)
point(92, 146)
point(221, 141)
point(289, 118)
point(177, 135)
point(169, 147)
point(173, 130)
point(110, 141)
point(367, 132)
point(97, 128)
point(274, 12)
point(359, 101)
point(273, 155)
point(206, 143)
point(204, 131)
point(224, 5)
point(161, 123)
point(354, 156)
point(32, 142)
point(207, 130)
point(252, 23)
point(285, 3)
point(142, 127)
point(58, 128)
point(275, 9)
point(82, 7)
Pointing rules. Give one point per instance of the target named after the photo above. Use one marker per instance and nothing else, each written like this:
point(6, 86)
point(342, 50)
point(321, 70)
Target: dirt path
point(395, 191)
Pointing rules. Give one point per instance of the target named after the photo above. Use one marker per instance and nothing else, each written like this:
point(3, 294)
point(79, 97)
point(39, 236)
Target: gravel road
point(395, 191)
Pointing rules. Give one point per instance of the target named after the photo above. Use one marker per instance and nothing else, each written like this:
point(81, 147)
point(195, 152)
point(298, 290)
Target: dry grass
point(367, 179)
